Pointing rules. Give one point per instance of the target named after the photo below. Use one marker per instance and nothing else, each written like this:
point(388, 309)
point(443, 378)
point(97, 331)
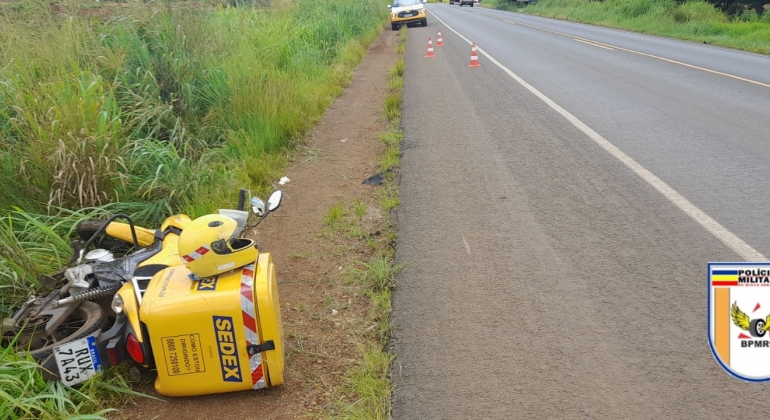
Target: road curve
point(543, 277)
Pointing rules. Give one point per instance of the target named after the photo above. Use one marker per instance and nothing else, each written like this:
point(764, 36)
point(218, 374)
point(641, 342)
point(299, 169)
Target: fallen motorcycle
point(194, 302)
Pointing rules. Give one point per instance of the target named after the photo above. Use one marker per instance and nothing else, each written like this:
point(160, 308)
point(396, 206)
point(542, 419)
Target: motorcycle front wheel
point(82, 322)
point(87, 228)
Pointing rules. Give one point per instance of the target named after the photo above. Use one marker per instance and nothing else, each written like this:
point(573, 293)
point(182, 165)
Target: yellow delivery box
point(219, 334)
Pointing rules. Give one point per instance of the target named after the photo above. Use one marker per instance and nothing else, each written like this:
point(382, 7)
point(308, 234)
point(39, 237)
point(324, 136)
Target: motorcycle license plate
point(77, 360)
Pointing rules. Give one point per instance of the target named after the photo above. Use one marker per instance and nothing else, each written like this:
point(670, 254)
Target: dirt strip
point(323, 314)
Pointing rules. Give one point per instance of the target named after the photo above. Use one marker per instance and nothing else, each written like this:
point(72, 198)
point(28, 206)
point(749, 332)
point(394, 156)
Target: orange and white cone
point(430, 50)
point(474, 57)
point(439, 41)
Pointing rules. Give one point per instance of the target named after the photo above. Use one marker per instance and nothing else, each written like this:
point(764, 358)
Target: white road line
point(595, 45)
point(735, 243)
point(467, 247)
point(732, 76)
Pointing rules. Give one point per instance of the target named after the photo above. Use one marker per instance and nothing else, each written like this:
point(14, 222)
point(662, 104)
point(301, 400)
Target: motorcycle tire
point(93, 318)
point(87, 228)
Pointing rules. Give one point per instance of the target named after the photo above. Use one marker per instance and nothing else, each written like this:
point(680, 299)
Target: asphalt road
point(546, 277)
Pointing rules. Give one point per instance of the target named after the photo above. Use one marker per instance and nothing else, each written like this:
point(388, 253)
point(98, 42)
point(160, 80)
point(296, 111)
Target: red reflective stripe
point(246, 291)
point(250, 323)
point(256, 375)
point(248, 313)
point(202, 250)
point(188, 258)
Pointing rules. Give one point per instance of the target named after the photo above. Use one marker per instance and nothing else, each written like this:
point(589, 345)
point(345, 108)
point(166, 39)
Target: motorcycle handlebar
point(242, 199)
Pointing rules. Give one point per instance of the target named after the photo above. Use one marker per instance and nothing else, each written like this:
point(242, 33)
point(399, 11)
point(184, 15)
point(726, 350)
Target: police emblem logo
point(739, 318)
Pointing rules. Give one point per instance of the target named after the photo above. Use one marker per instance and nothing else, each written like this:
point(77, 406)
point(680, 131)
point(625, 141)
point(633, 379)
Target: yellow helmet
point(209, 246)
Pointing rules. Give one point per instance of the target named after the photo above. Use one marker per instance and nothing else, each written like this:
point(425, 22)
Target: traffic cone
point(430, 50)
point(439, 41)
point(474, 57)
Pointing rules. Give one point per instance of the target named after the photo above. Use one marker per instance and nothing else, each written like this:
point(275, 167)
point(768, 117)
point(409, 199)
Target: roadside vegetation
point(25, 395)
point(156, 112)
point(370, 382)
point(150, 111)
point(739, 25)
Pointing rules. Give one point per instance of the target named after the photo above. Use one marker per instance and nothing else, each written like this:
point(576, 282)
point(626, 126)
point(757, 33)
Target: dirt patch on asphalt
point(324, 313)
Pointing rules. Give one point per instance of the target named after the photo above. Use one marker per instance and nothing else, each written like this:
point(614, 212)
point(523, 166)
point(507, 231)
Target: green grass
point(391, 159)
point(32, 245)
point(26, 395)
point(359, 208)
point(503, 4)
point(393, 106)
point(334, 218)
point(377, 275)
point(156, 112)
point(340, 218)
point(370, 382)
point(150, 111)
point(392, 138)
point(389, 199)
point(396, 85)
point(691, 20)
point(165, 109)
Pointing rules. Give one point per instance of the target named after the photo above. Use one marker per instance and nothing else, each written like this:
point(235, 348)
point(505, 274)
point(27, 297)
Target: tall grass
point(149, 111)
point(693, 20)
point(164, 109)
point(26, 395)
point(32, 245)
point(158, 112)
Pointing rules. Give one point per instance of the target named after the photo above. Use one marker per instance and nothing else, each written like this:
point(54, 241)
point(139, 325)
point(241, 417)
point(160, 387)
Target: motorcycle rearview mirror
point(275, 200)
point(272, 203)
point(257, 206)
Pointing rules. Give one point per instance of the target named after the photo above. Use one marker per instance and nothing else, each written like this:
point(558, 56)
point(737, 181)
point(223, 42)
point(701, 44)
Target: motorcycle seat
point(149, 270)
point(145, 273)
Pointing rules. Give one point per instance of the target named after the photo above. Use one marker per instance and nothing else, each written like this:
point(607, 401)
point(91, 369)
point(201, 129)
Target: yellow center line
point(591, 43)
point(732, 76)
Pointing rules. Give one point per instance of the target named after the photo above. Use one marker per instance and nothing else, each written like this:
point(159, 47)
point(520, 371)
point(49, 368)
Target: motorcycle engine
point(100, 263)
point(76, 276)
point(100, 255)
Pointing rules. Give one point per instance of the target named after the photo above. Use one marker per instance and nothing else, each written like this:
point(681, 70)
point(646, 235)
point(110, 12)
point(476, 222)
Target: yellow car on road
point(403, 12)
